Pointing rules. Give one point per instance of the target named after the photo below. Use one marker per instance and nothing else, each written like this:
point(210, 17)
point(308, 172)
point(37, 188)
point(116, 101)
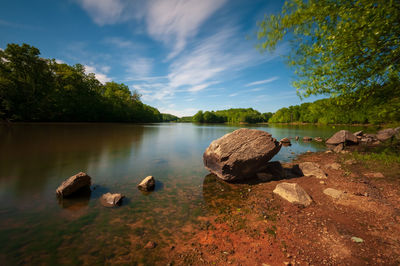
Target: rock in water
point(312, 169)
point(293, 193)
point(342, 136)
point(285, 140)
point(147, 184)
point(111, 200)
point(241, 154)
point(307, 138)
point(73, 184)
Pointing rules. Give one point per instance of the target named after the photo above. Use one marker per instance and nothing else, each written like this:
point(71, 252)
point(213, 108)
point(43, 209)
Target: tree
point(198, 117)
point(37, 89)
point(25, 83)
point(340, 47)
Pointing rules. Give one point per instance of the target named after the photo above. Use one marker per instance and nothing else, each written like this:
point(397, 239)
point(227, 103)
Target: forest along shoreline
point(350, 216)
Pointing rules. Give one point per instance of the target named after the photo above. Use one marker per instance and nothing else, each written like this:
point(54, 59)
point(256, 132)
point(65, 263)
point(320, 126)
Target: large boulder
point(74, 184)
point(293, 193)
point(241, 154)
point(342, 136)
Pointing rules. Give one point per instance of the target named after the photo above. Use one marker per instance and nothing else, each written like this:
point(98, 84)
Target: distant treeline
point(336, 111)
point(233, 115)
point(325, 111)
point(37, 89)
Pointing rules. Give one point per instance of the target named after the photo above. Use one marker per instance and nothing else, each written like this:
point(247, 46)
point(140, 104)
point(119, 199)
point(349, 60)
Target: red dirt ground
point(260, 228)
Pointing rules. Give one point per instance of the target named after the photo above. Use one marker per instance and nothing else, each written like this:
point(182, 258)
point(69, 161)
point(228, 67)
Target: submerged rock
point(240, 155)
point(293, 193)
point(312, 169)
point(342, 136)
point(111, 200)
point(73, 184)
point(147, 184)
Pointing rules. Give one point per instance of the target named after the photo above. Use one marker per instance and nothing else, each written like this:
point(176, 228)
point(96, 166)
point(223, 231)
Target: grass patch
point(385, 157)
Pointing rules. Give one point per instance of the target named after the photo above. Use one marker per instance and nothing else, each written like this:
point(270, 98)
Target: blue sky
point(182, 56)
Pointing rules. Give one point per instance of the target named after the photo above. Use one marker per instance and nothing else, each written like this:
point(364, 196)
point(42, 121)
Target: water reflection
point(31, 154)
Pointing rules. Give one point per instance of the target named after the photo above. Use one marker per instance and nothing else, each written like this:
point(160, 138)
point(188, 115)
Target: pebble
point(357, 239)
point(150, 245)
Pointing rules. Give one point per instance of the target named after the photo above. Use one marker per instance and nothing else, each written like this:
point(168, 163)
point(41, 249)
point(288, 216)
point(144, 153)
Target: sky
point(180, 55)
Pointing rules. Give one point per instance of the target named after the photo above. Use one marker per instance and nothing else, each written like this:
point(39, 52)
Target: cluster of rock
point(245, 154)
point(286, 141)
point(343, 138)
point(75, 184)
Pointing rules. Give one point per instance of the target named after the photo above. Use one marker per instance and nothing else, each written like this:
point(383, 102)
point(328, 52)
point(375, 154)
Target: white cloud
point(103, 78)
point(59, 61)
point(233, 94)
point(265, 81)
point(119, 42)
point(179, 113)
point(211, 61)
point(104, 11)
point(138, 67)
point(169, 21)
point(174, 21)
point(148, 79)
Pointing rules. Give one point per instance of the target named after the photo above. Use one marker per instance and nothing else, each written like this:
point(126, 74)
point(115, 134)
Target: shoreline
point(261, 228)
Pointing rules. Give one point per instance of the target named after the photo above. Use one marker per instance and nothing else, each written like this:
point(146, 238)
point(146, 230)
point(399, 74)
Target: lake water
point(37, 228)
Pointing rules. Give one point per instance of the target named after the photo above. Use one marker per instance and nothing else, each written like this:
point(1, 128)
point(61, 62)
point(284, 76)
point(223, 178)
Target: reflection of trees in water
point(31, 153)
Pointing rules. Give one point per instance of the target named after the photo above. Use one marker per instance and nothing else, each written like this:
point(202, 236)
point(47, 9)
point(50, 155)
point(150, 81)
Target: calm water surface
point(37, 228)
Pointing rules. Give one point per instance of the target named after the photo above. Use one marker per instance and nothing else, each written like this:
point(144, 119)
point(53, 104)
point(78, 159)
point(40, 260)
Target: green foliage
point(234, 115)
point(186, 119)
point(37, 89)
point(330, 111)
point(169, 118)
point(198, 117)
point(341, 47)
